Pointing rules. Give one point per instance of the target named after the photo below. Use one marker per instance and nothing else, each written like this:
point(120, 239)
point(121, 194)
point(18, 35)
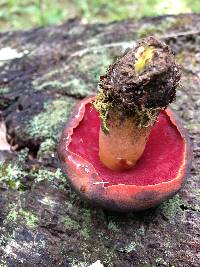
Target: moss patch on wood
point(17, 213)
point(49, 122)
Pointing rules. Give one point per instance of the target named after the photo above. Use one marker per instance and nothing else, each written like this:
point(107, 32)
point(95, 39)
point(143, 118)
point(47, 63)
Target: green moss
point(31, 220)
point(141, 230)
point(55, 178)
point(174, 106)
point(168, 244)
point(85, 232)
point(103, 107)
point(196, 205)
point(4, 90)
point(146, 117)
point(48, 123)
point(12, 215)
point(181, 22)
point(96, 41)
point(171, 207)
point(51, 176)
point(150, 29)
point(5, 238)
point(42, 243)
point(86, 223)
point(113, 226)
point(11, 174)
point(143, 117)
point(92, 238)
point(95, 63)
point(70, 224)
point(47, 145)
point(51, 75)
point(16, 212)
point(196, 192)
point(193, 126)
point(82, 74)
point(22, 155)
point(78, 87)
point(130, 247)
point(47, 148)
point(73, 86)
point(167, 24)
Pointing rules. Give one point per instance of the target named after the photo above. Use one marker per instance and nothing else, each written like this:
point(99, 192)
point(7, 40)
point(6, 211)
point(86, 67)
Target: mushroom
point(124, 149)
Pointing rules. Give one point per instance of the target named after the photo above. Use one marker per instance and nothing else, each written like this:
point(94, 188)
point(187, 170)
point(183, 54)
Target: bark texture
point(42, 221)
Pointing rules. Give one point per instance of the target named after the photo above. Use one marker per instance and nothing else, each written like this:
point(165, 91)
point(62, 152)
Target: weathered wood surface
point(42, 221)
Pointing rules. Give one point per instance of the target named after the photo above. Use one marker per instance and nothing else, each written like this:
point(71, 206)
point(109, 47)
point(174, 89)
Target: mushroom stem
point(121, 148)
point(131, 94)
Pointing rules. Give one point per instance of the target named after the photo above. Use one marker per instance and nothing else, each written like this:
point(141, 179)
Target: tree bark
point(42, 221)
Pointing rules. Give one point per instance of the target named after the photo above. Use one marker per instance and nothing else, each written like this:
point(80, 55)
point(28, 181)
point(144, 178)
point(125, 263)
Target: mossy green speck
point(47, 147)
point(16, 212)
point(95, 64)
point(4, 90)
point(50, 176)
point(11, 174)
point(113, 226)
point(49, 122)
point(73, 86)
point(70, 224)
point(171, 207)
point(129, 248)
point(151, 29)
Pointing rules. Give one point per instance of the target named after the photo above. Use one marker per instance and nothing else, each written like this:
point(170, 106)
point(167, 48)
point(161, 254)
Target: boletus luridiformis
point(124, 149)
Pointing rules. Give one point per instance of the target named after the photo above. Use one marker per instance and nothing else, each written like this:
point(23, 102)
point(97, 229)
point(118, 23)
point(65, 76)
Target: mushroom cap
point(158, 175)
